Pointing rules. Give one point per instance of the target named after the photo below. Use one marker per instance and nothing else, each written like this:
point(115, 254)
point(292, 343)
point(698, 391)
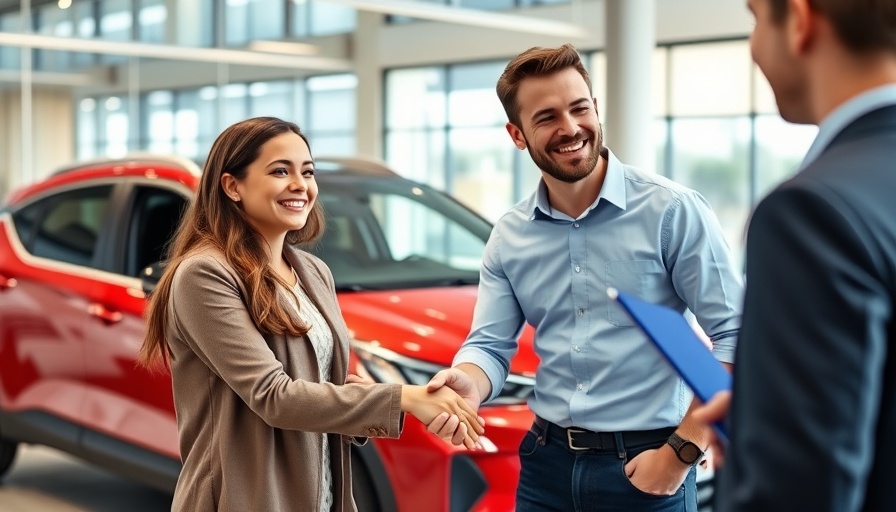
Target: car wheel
point(362, 486)
point(7, 454)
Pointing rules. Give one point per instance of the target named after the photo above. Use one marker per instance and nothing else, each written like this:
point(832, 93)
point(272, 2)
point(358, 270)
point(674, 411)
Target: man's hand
point(449, 427)
point(715, 411)
point(460, 382)
point(657, 471)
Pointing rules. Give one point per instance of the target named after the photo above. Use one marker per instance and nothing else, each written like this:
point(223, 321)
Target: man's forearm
point(480, 379)
point(695, 430)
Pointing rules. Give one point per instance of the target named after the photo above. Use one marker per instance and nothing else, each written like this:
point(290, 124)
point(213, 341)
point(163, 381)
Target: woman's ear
point(229, 184)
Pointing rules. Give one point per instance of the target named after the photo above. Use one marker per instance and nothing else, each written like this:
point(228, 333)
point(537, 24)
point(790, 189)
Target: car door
point(48, 267)
point(130, 404)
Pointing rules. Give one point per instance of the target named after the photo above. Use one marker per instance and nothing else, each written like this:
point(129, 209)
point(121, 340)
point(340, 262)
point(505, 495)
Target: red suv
point(80, 250)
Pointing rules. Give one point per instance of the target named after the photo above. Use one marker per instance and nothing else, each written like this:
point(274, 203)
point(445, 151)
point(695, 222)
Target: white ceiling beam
point(177, 53)
point(49, 78)
point(465, 16)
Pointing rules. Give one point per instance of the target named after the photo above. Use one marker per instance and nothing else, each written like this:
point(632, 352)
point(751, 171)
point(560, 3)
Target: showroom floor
point(43, 479)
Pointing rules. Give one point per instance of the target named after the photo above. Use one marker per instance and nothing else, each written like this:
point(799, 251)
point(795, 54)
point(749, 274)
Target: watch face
point(690, 452)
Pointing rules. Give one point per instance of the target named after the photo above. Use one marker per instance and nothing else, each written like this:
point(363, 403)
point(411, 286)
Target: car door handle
point(108, 316)
point(7, 283)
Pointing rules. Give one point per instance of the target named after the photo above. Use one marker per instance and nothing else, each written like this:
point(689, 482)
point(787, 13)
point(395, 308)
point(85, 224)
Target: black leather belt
point(580, 439)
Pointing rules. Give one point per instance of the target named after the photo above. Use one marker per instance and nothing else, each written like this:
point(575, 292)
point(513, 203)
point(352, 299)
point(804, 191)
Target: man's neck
point(855, 75)
point(574, 198)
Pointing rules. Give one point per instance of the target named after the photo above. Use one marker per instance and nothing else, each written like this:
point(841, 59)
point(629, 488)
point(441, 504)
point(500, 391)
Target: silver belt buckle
point(569, 433)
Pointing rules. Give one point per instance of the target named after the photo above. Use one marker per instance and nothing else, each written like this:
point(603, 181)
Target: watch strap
point(678, 444)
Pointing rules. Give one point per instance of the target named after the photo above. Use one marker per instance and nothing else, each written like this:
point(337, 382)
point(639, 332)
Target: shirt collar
point(613, 189)
point(846, 113)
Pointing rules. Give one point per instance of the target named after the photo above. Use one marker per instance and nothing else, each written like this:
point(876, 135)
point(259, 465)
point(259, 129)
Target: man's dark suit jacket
point(813, 418)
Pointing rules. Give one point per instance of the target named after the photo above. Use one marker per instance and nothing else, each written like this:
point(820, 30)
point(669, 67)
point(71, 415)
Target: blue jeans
point(554, 477)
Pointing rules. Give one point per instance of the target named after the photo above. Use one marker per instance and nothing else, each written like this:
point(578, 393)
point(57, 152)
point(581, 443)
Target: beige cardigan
point(249, 406)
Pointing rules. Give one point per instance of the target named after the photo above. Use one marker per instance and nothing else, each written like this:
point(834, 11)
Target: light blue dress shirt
point(845, 114)
point(645, 235)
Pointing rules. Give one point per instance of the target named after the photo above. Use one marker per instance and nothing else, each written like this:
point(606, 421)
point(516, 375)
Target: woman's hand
point(426, 406)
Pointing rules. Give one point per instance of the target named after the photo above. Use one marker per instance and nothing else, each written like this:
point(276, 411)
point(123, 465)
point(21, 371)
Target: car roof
point(181, 169)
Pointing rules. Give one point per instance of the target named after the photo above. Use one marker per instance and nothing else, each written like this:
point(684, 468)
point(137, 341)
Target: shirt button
point(577, 348)
point(580, 312)
point(580, 387)
point(578, 268)
point(575, 224)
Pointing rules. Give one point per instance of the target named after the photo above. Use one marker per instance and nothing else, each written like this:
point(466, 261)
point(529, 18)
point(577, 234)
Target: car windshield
point(392, 233)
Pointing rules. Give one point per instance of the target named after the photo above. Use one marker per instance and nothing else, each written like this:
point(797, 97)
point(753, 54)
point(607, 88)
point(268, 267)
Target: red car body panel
point(41, 337)
point(424, 323)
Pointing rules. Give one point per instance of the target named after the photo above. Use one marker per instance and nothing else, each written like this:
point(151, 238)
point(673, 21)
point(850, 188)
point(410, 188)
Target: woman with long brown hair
point(258, 350)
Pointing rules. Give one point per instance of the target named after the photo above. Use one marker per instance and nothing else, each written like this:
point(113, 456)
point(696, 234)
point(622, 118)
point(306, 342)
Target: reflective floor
point(43, 479)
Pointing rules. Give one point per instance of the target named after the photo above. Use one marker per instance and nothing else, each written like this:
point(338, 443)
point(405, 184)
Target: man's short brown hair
point(536, 61)
point(862, 25)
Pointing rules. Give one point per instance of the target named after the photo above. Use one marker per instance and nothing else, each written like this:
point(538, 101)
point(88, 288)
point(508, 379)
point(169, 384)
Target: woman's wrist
point(408, 396)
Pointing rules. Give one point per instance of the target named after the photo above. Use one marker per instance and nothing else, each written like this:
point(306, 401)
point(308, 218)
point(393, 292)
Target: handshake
point(448, 405)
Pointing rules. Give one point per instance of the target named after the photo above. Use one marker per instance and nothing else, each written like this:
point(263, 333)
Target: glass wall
point(152, 16)
point(717, 130)
point(10, 58)
point(319, 17)
point(488, 5)
point(186, 122)
point(206, 23)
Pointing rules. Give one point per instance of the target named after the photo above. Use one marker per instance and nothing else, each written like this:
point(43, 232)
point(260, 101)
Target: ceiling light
point(284, 47)
point(472, 17)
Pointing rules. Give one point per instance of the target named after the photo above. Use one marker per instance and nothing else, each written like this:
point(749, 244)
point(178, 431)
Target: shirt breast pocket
point(641, 278)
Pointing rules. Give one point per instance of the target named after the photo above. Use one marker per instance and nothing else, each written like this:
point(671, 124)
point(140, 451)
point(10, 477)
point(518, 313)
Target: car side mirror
point(150, 276)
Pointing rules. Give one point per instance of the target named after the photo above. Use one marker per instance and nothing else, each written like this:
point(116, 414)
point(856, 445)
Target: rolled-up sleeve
point(497, 321)
point(703, 271)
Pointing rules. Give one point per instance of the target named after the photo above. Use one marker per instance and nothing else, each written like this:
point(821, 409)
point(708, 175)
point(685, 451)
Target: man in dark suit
point(813, 406)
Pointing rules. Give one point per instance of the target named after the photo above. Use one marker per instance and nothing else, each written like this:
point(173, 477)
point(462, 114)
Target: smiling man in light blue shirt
point(611, 429)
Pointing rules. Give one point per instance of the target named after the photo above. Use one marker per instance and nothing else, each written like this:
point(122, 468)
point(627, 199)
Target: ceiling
point(446, 13)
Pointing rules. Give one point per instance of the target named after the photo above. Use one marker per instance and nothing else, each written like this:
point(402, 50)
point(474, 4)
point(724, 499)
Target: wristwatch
point(687, 452)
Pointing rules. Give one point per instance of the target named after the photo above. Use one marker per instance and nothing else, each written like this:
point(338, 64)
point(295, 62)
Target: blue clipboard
point(678, 342)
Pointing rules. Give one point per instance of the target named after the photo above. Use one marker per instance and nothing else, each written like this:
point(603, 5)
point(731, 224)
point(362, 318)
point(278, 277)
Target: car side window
point(25, 222)
point(156, 215)
point(68, 229)
point(417, 230)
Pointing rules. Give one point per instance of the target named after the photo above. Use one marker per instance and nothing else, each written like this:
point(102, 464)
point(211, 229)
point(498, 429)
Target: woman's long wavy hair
point(214, 220)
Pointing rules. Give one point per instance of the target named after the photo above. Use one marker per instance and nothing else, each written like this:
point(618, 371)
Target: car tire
point(363, 489)
point(7, 454)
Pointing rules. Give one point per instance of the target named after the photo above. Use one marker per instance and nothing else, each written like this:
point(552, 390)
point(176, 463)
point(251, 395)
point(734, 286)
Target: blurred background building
point(409, 82)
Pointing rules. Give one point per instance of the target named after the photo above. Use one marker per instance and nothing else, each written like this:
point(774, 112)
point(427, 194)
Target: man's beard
point(563, 173)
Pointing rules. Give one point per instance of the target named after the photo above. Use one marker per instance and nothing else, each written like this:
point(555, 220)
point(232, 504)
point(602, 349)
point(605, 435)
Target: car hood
point(428, 324)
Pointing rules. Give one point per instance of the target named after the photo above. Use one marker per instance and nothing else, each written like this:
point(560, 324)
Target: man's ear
point(801, 25)
point(516, 135)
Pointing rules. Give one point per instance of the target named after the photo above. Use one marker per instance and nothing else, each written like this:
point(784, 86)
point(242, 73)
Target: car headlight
point(385, 365)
